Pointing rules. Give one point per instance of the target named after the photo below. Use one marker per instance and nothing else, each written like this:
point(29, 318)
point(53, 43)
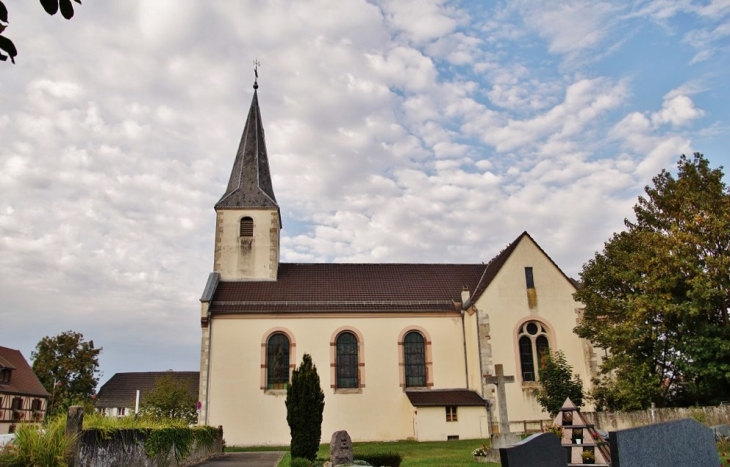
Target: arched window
point(246, 227)
point(533, 344)
point(347, 361)
point(414, 357)
point(277, 361)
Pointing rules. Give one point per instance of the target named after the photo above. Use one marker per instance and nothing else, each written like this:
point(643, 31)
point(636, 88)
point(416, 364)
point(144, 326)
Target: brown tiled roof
point(121, 389)
point(351, 287)
point(443, 397)
point(376, 288)
point(22, 378)
point(250, 183)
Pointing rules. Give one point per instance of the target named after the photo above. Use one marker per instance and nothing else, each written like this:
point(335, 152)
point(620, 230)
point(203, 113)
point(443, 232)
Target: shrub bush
point(304, 408)
point(300, 462)
point(36, 446)
point(382, 459)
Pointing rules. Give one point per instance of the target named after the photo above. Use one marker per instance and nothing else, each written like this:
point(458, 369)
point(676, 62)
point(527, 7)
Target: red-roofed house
point(22, 397)
point(401, 349)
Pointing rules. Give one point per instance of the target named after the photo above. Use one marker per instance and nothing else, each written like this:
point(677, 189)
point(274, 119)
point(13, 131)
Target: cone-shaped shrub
point(304, 408)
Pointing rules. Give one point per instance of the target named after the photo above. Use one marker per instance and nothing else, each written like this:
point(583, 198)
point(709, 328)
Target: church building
point(401, 349)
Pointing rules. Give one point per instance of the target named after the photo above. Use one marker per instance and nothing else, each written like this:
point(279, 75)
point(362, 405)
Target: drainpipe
point(207, 370)
point(465, 299)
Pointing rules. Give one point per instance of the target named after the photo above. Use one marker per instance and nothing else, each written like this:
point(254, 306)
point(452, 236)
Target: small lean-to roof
point(350, 288)
point(444, 397)
point(121, 389)
point(23, 380)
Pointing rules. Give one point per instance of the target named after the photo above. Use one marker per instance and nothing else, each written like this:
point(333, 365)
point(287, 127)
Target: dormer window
point(5, 375)
point(246, 227)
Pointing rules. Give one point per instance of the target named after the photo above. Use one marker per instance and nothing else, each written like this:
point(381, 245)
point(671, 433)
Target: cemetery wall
point(611, 421)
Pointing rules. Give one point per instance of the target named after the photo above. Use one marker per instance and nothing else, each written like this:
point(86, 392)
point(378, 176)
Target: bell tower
point(248, 220)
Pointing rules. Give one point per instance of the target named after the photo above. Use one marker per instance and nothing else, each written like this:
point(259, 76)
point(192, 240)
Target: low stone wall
point(125, 448)
point(612, 421)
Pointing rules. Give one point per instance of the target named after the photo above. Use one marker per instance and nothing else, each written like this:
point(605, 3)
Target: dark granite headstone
point(678, 443)
point(542, 449)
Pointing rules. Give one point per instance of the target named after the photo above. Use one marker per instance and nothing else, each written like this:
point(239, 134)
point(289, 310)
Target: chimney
point(464, 294)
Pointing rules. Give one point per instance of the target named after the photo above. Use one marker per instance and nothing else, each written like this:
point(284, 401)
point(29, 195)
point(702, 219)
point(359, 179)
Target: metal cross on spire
point(256, 65)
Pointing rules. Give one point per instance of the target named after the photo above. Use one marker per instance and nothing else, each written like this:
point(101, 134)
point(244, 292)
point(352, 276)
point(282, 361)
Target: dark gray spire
point(250, 183)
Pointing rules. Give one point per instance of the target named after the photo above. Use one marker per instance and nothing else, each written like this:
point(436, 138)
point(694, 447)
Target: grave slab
point(541, 449)
point(684, 442)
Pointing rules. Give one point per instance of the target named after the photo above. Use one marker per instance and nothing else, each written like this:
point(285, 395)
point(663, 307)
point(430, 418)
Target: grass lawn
point(415, 454)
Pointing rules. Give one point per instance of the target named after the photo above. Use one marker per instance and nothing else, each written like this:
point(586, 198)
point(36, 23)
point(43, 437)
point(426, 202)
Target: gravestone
point(721, 432)
point(340, 448)
point(541, 449)
point(679, 442)
point(504, 438)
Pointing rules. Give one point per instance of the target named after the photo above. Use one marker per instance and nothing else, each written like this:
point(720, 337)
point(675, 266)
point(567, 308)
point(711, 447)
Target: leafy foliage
point(171, 398)
point(383, 459)
point(161, 436)
point(300, 462)
point(304, 409)
point(657, 296)
point(68, 368)
point(557, 383)
point(38, 446)
point(51, 7)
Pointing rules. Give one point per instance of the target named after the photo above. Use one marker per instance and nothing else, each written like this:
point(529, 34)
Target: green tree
point(304, 409)
point(557, 383)
point(170, 399)
point(657, 296)
point(68, 367)
point(51, 6)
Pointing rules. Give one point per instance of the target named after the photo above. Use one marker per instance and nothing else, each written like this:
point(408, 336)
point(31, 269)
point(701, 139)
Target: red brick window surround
point(347, 363)
point(278, 359)
point(533, 347)
point(415, 359)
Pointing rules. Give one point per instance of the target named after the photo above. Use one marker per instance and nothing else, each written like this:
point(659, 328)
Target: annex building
point(401, 349)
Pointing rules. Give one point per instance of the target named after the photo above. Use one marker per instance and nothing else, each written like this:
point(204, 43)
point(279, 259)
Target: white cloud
point(570, 26)
point(397, 131)
point(677, 110)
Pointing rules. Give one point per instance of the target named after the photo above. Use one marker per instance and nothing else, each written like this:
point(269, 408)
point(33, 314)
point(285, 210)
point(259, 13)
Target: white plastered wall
point(431, 424)
point(380, 411)
point(506, 304)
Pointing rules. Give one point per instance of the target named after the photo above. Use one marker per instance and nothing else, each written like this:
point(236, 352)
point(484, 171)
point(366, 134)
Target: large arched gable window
point(534, 346)
point(277, 361)
point(246, 228)
point(347, 361)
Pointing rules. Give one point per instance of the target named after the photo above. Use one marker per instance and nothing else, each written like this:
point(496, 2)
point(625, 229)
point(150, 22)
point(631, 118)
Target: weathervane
point(256, 65)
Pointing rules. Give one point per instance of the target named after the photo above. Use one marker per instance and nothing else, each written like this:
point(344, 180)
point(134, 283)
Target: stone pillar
point(74, 427)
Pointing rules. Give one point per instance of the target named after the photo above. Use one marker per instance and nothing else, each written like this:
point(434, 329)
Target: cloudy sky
point(397, 131)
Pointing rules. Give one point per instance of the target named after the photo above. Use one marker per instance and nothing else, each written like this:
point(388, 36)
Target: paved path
point(245, 459)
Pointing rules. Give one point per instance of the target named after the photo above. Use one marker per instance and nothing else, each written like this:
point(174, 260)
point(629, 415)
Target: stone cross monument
point(504, 438)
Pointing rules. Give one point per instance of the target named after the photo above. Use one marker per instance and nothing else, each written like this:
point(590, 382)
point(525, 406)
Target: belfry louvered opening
point(246, 227)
